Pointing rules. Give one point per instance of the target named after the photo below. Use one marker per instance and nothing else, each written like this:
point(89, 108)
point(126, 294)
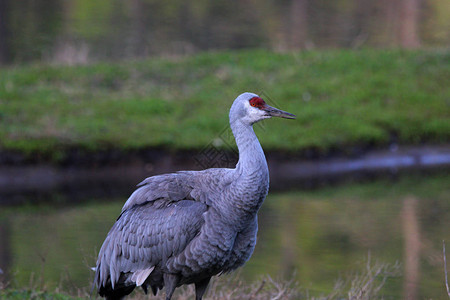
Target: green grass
point(342, 98)
point(13, 294)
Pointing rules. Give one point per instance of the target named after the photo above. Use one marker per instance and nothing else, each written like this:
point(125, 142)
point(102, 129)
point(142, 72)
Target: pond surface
point(317, 236)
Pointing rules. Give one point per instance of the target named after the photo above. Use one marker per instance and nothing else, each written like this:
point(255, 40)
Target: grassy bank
point(364, 285)
point(342, 98)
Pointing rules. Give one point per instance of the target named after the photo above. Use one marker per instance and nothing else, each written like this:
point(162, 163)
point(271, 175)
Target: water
point(315, 236)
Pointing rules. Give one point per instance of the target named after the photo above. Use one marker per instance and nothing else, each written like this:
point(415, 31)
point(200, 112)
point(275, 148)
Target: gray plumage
point(185, 227)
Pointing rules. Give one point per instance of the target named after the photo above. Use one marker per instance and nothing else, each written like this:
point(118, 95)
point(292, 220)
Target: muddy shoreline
point(115, 174)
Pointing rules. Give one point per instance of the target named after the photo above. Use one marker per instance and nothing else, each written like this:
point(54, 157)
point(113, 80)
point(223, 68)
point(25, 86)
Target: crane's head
point(250, 108)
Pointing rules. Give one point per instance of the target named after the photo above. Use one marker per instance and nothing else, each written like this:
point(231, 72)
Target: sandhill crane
point(188, 226)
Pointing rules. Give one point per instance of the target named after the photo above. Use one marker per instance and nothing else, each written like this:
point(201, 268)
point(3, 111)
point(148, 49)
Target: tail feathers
point(153, 287)
point(128, 282)
point(154, 290)
point(117, 293)
point(121, 288)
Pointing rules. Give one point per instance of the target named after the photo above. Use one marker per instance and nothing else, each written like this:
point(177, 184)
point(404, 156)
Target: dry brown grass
point(362, 285)
point(445, 268)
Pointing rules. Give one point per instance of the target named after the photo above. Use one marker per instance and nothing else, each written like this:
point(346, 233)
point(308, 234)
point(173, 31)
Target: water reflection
point(317, 236)
point(411, 245)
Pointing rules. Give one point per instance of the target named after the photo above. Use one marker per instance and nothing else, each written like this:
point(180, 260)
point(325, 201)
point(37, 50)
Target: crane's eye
point(257, 102)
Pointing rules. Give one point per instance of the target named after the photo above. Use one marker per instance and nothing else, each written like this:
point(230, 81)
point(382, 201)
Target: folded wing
point(143, 238)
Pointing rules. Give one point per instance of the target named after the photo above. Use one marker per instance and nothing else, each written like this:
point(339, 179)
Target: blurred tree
point(298, 24)
point(135, 42)
point(358, 33)
point(5, 52)
point(75, 31)
point(35, 26)
point(435, 27)
point(408, 23)
point(5, 249)
point(67, 49)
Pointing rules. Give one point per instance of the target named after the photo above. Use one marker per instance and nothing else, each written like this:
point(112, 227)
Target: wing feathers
point(145, 237)
point(184, 185)
point(157, 222)
point(169, 187)
point(141, 275)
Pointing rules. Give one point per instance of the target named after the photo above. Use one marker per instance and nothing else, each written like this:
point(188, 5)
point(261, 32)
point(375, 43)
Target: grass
point(29, 294)
point(366, 284)
point(342, 98)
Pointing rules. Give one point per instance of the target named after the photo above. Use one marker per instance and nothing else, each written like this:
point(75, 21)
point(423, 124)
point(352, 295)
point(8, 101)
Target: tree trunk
point(408, 25)
point(5, 53)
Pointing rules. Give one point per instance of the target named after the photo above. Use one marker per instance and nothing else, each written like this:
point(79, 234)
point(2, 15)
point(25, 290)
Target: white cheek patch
point(247, 105)
point(254, 113)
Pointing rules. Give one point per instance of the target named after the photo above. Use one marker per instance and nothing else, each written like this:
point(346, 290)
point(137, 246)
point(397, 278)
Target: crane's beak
point(275, 112)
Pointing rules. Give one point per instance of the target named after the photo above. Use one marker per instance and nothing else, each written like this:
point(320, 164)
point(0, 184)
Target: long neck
point(252, 172)
point(249, 180)
point(251, 155)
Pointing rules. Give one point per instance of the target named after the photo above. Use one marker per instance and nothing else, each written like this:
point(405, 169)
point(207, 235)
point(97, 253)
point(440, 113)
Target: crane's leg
point(200, 288)
point(170, 281)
